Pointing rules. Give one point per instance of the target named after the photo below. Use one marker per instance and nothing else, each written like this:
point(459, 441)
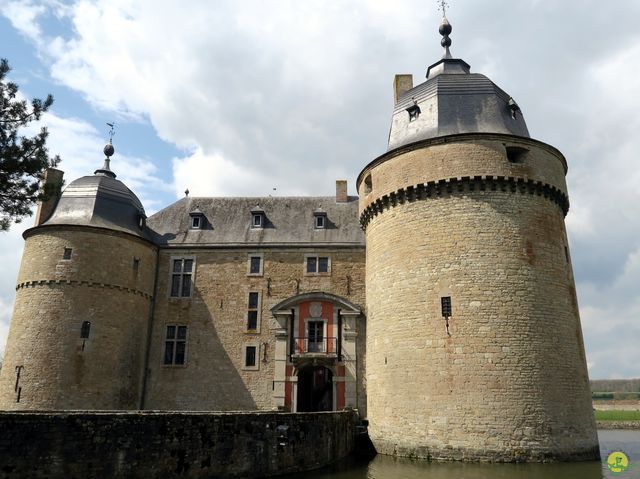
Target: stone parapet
point(170, 444)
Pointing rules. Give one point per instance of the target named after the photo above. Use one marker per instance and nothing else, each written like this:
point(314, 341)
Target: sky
point(236, 98)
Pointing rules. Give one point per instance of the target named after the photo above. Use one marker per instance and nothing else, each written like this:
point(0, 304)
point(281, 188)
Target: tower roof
point(453, 100)
point(100, 200)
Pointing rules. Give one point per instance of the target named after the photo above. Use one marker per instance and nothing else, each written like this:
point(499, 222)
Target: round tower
point(474, 344)
point(79, 329)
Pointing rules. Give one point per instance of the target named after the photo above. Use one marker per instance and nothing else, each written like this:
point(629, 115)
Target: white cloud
point(293, 95)
point(216, 176)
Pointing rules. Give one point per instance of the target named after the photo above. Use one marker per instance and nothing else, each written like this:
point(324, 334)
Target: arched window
point(85, 329)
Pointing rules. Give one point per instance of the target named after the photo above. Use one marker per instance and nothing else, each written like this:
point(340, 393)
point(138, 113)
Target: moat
point(385, 467)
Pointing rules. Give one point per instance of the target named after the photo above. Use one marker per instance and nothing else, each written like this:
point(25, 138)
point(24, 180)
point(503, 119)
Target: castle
point(440, 302)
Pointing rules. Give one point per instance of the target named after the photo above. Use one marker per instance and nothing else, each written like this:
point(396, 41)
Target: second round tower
point(474, 344)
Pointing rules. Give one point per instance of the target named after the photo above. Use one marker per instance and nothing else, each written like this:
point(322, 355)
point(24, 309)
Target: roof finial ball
point(445, 29)
point(108, 152)
point(108, 148)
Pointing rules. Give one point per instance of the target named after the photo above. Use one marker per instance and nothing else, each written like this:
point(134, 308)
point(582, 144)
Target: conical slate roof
point(453, 100)
point(102, 201)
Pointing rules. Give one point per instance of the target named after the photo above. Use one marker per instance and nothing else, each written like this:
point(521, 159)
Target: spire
point(447, 64)
point(108, 151)
point(445, 29)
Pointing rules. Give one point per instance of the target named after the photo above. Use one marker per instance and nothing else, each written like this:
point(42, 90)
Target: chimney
point(401, 85)
point(51, 186)
point(341, 191)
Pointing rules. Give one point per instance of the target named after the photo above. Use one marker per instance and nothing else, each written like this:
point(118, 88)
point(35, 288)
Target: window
point(414, 111)
point(255, 264)
point(181, 277)
point(67, 253)
point(85, 329)
point(257, 217)
point(196, 221)
point(320, 221)
point(175, 345)
point(368, 185)
point(250, 356)
point(446, 306)
point(253, 311)
point(516, 154)
point(317, 264)
point(315, 337)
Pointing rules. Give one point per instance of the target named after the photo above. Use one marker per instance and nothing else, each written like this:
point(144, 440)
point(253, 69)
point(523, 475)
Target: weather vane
point(442, 5)
point(111, 131)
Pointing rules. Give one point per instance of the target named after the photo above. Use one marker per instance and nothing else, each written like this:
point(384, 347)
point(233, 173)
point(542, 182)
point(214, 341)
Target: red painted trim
point(340, 396)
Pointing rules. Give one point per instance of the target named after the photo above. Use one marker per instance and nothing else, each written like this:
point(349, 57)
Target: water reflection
point(385, 467)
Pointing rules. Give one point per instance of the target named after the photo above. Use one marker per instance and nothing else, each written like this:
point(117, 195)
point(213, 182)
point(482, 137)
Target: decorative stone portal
point(315, 354)
point(315, 389)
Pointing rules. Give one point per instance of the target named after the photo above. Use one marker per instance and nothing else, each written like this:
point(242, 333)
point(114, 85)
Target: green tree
point(23, 159)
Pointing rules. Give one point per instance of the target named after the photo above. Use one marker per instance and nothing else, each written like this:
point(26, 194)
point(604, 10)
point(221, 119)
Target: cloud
point(293, 95)
point(76, 141)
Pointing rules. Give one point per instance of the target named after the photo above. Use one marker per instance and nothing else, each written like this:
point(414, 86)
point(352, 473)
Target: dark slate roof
point(289, 221)
point(452, 101)
point(102, 201)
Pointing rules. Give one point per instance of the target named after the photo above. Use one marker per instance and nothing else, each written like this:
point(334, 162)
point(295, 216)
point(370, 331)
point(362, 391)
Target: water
point(385, 467)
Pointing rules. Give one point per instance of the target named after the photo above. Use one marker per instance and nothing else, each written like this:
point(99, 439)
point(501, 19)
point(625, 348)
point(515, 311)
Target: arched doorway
point(315, 389)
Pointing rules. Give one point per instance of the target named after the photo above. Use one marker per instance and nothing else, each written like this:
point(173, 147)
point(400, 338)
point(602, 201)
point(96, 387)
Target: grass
point(617, 415)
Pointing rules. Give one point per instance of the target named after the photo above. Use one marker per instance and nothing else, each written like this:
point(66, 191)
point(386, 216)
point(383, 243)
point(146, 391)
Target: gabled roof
point(288, 221)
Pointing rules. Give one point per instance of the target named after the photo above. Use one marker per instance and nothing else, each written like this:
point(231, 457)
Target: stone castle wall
point(190, 445)
point(101, 283)
point(510, 382)
point(214, 376)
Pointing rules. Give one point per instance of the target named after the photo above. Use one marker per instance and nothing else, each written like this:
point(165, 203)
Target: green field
point(618, 415)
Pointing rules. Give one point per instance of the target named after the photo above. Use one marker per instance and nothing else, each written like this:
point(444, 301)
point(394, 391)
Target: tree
point(23, 159)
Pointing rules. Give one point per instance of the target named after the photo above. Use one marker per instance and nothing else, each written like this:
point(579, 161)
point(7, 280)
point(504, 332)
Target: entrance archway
point(315, 389)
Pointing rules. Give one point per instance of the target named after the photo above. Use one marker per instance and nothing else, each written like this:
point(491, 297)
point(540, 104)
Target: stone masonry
point(214, 377)
point(101, 283)
point(510, 381)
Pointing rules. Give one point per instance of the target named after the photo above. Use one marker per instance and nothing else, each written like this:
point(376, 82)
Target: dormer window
point(141, 221)
point(319, 219)
point(196, 219)
point(257, 217)
point(414, 111)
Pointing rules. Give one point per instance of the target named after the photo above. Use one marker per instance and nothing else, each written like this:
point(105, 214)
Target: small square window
point(255, 265)
point(414, 112)
point(256, 221)
point(196, 221)
point(250, 356)
point(318, 264)
point(67, 253)
point(320, 221)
